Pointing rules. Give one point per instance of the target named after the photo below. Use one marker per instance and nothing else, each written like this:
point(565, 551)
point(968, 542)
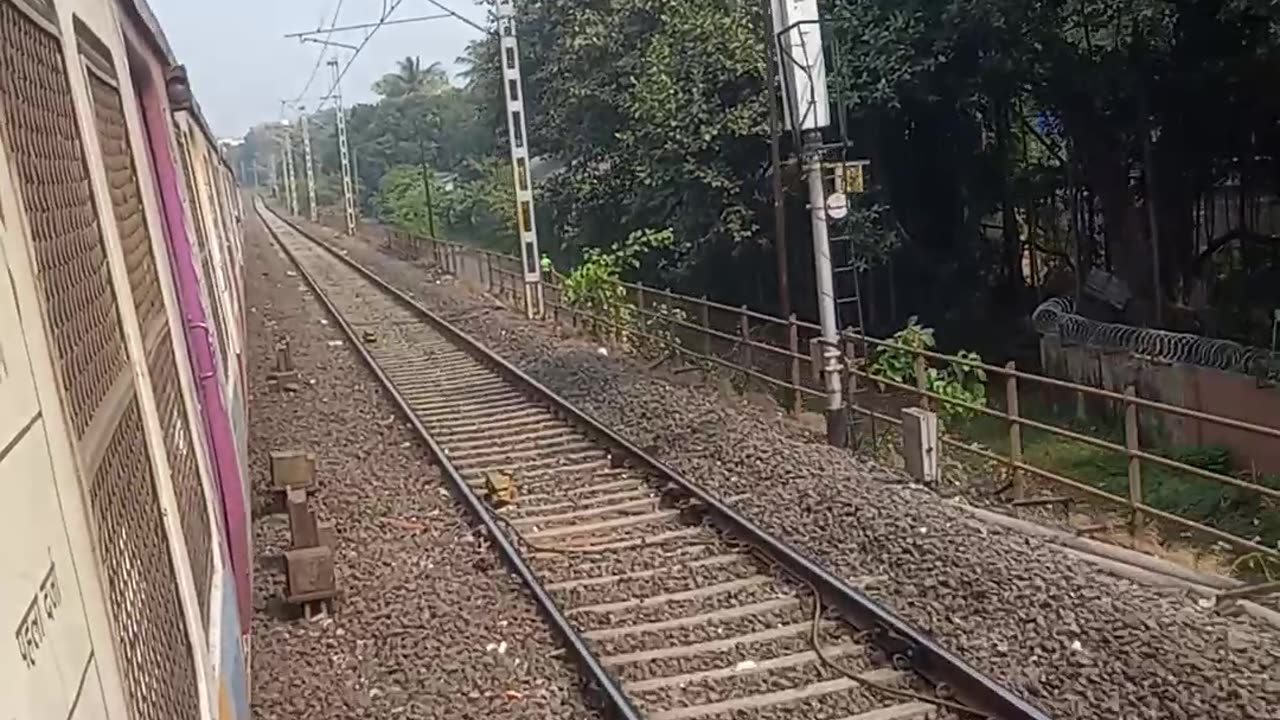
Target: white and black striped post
point(344, 153)
point(312, 213)
point(290, 182)
point(517, 134)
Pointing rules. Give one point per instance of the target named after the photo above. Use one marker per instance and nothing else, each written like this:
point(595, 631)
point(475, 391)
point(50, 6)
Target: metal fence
point(774, 352)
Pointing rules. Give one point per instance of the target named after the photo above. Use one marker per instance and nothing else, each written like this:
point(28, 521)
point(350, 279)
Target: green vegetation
point(1228, 508)
point(1093, 131)
point(595, 287)
point(963, 383)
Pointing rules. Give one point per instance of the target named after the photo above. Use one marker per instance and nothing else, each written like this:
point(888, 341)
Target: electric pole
point(810, 112)
point(426, 187)
point(775, 163)
point(312, 212)
point(344, 155)
point(517, 135)
point(355, 182)
point(290, 182)
point(273, 177)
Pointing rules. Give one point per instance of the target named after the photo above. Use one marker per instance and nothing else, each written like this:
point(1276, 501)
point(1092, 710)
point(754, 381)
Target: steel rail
point(511, 555)
point(892, 634)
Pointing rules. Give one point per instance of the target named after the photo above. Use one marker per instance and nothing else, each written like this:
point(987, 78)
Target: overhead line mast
point(312, 213)
point(344, 154)
point(517, 136)
point(290, 183)
point(517, 130)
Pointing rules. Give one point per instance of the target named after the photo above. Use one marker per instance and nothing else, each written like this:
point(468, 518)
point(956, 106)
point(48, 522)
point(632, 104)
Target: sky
point(241, 66)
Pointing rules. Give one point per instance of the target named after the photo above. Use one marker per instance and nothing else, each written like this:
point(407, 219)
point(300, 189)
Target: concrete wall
point(1210, 391)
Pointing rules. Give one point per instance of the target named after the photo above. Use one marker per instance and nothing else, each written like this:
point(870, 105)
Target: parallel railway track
point(676, 607)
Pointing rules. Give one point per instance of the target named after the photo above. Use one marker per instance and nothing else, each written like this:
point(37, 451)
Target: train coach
point(125, 574)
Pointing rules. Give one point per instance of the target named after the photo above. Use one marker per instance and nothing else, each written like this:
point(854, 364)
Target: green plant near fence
point(962, 382)
point(595, 288)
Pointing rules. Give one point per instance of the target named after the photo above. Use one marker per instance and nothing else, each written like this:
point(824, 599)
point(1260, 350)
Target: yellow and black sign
point(851, 176)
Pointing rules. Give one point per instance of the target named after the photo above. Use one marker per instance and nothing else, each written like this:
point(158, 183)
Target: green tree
point(402, 202)
point(481, 209)
point(410, 78)
point(656, 110)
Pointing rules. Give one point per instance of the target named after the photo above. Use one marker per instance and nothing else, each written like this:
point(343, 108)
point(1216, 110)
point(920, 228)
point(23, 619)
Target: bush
point(961, 383)
point(595, 286)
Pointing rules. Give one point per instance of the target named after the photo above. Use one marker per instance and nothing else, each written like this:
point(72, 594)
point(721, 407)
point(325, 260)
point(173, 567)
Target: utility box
point(920, 444)
point(292, 470)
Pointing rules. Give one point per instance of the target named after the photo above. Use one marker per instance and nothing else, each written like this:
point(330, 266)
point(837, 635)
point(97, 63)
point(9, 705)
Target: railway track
point(676, 607)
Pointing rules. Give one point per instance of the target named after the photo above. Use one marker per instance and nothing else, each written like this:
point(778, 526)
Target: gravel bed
point(426, 608)
point(1073, 639)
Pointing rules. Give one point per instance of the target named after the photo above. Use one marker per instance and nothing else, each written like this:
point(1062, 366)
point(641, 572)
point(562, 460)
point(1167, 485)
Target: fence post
point(793, 344)
point(1135, 463)
point(488, 271)
point(1015, 430)
point(642, 320)
point(744, 329)
point(921, 381)
point(851, 390)
point(704, 318)
point(554, 304)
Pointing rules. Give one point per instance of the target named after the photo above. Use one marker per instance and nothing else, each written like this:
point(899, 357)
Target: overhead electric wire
point(338, 80)
point(333, 22)
point(365, 26)
point(383, 20)
point(466, 20)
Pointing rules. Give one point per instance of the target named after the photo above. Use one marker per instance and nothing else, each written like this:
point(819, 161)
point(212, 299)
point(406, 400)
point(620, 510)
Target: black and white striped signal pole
point(517, 135)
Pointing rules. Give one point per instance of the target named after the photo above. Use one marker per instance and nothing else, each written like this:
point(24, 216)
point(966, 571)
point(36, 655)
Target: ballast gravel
point(1072, 639)
point(429, 624)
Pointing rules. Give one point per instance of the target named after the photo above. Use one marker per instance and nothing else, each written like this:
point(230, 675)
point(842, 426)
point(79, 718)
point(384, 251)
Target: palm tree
point(410, 78)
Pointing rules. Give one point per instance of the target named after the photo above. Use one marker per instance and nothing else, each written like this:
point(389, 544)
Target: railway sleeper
point(532, 453)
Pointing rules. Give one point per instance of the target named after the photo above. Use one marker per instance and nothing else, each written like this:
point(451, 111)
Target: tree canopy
point(410, 78)
point(1015, 147)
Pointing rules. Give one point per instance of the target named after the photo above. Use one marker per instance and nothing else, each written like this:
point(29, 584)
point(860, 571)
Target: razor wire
point(1057, 316)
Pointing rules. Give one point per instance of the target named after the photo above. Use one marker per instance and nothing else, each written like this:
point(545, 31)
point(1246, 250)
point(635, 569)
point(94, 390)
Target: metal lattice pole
point(273, 177)
point(290, 181)
point(517, 135)
point(312, 212)
point(344, 154)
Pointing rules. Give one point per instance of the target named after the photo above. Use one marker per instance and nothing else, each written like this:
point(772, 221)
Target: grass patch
point(1230, 509)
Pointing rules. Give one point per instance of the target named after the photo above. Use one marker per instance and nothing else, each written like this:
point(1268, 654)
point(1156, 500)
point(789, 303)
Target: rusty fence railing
point(774, 352)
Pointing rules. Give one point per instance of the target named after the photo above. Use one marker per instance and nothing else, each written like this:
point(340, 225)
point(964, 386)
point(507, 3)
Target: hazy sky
point(241, 66)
